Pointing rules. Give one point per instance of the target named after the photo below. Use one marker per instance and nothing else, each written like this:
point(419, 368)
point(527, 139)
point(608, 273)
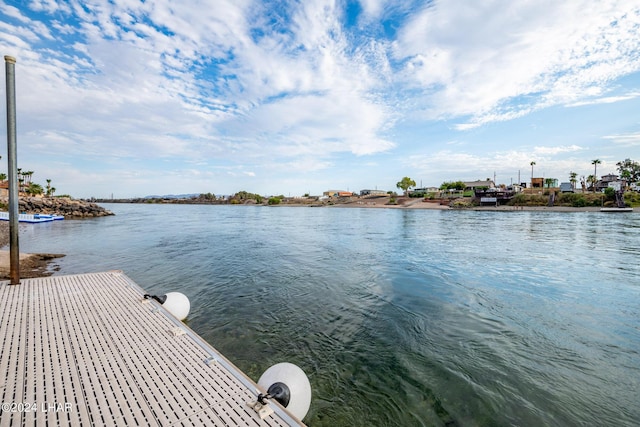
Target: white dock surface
point(88, 350)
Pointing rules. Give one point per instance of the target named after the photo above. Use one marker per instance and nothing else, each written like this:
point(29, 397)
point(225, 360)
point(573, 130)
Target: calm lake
point(398, 317)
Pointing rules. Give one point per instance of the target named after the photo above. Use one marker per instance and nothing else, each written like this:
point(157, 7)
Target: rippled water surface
point(399, 317)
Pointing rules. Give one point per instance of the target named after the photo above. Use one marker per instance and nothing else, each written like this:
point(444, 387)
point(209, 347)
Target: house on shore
point(566, 187)
point(473, 185)
point(373, 193)
point(337, 193)
point(537, 182)
point(609, 180)
point(494, 196)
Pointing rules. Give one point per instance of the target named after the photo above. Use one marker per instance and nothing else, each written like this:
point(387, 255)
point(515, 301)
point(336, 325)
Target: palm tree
point(595, 164)
point(591, 180)
point(532, 163)
point(3, 176)
point(34, 189)
point(48, 193)
point(573, 179)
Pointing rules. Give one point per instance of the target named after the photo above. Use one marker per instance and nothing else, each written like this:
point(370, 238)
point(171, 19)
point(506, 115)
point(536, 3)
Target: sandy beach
point(31, 265)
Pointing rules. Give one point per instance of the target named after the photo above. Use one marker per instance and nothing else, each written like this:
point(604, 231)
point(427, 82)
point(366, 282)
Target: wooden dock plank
point(89, 350)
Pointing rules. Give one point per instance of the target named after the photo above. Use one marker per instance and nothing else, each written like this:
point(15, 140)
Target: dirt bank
point(31, 265)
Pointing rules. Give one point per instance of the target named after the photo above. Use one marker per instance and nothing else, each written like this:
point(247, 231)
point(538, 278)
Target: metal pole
point(14, 249)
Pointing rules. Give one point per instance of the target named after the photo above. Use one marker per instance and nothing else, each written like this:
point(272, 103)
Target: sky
point(126, 98)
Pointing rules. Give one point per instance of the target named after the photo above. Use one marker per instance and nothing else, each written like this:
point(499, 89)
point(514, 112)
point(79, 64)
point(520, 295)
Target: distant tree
point(573, 179)
point(3, 176)
point(629, 168)
point(453, 185)
point(549, 182)
point(243, 196)
point(591, 182)
point(595, 164)
point(405, 184)
point(626, 175)
point(532, 164)
point(24, 177)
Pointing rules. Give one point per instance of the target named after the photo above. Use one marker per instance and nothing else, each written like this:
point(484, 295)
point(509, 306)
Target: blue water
point(399, 317)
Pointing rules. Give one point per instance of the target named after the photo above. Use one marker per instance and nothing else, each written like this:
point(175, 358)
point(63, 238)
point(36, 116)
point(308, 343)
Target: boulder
point(69, 208)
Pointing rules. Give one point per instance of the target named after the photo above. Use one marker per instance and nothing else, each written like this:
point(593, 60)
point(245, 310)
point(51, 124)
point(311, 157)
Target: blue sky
point(134, 98)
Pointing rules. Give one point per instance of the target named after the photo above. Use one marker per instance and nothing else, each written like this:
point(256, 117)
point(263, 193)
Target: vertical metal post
point(14, 249)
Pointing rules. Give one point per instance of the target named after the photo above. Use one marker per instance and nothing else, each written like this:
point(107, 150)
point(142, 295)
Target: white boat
point(616, 210)
point(32, 218)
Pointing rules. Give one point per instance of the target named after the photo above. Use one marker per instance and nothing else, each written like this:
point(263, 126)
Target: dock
point(32, 218)
point(89, 350)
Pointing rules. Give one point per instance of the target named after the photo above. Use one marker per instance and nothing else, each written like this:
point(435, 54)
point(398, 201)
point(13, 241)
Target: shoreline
point(406, 203)
point(31, 265)
point(419, 204)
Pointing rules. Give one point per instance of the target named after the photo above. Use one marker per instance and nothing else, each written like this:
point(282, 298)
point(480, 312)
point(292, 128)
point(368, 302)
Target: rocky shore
point(69, 208)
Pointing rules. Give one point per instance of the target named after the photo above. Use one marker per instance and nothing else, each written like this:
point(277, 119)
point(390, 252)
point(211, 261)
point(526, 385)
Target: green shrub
point(610, 193)
point(528, 200)
point(632, 198)
point(462, 203)
point(579, 202)
point(518, 200)
point(571, 199)
point(274, 200)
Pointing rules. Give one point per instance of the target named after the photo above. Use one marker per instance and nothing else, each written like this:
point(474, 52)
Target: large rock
point(69, 208)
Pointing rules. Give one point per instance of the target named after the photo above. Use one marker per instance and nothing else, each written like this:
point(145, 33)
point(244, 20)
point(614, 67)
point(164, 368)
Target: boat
point(32, 218)
point(616, 210)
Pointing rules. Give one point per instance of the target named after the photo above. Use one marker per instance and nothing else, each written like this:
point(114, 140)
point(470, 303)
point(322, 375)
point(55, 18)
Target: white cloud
point(556, 150)
point(372, 9)
point(606, 100)
point(13, 12)
point(492, 66)
point(625, 140)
